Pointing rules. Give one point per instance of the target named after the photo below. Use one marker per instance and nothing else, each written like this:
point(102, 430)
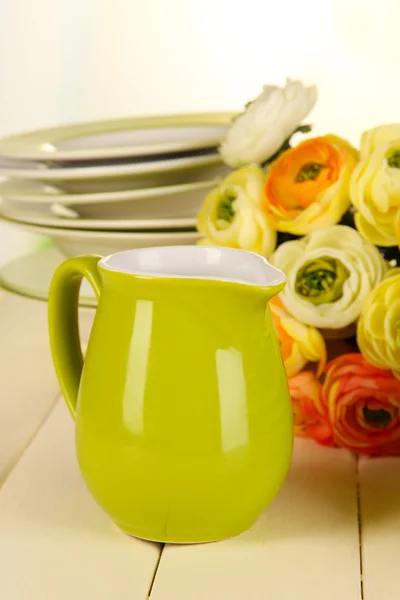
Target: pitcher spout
point(274, 281)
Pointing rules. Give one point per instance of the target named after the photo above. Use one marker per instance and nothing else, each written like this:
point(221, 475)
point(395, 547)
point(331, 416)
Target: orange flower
point(299, 343)
point(307, 187)
point(362, 404)
point(308, 421)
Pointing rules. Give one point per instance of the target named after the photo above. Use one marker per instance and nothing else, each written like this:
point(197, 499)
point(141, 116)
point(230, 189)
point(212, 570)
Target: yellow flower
point(375, 186)
point(299, 343)
point(378, 136)
point(232, 214)
point(307, 187)
point(378, 331)
point(328, 273)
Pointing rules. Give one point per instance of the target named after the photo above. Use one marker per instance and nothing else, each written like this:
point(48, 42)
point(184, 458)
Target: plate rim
point(134, 170)
point(17, 146)
point(85, 301)
point(66, 198)
point(54, 222)
point(94, 235)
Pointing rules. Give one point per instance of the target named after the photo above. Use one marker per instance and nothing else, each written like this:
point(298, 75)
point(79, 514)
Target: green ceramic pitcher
point(183, 418)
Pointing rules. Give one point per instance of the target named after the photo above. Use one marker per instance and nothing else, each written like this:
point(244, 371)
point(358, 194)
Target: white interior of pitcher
point(196, 262)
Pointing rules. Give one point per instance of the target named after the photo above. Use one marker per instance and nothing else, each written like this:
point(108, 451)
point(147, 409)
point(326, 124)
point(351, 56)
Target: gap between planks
point(155, 571)
point(52, 531)
point(19, 455)
point(380, 518)
point(28, 385)
point(306, 544)
point(360, 533)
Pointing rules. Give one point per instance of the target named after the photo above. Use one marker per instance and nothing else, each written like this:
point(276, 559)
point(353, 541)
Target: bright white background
point(74, 60)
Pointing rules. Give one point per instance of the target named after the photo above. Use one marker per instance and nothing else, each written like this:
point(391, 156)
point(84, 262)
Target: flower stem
point(286, 144)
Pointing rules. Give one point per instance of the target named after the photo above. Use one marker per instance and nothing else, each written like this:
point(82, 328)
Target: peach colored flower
point(299, 343)
point(304, 391)
point(362, 405)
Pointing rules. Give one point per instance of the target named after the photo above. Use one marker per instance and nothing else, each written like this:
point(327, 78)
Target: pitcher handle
point(63, 321)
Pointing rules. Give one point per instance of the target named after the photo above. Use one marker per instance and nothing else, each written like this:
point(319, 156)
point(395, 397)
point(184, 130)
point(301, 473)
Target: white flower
point(266, 123)
point(329, 273)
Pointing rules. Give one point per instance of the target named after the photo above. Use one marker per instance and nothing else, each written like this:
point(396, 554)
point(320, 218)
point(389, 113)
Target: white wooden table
point(333, 533)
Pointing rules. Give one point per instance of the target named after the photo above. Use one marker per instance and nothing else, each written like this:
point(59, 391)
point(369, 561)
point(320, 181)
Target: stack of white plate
point(108, 186)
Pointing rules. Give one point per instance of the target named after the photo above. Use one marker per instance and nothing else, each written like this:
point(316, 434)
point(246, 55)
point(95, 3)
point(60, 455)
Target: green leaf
point(303, 129)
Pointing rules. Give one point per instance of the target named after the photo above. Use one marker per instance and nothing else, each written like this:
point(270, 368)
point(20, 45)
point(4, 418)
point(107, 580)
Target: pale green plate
point(30, 276)
point(131, 137)
point(124, 177)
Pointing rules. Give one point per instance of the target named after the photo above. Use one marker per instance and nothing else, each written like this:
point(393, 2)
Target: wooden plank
point(305, 545)
point(28, 386)
point(55, 542)
point(379, 481)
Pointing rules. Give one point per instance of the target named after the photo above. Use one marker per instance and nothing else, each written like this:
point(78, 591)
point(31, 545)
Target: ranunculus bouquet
point(328, 215)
